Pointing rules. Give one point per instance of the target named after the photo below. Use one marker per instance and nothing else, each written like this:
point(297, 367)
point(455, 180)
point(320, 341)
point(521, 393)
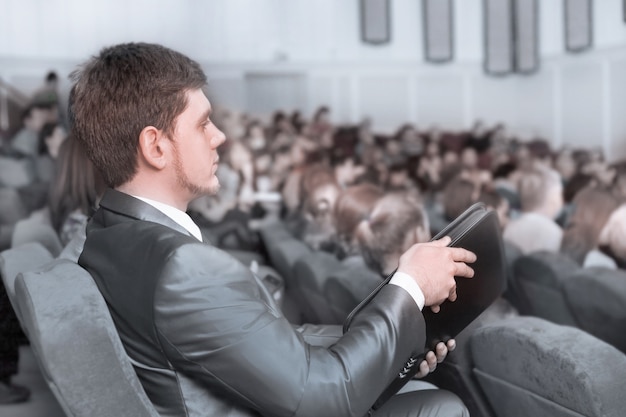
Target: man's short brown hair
point(121, 91)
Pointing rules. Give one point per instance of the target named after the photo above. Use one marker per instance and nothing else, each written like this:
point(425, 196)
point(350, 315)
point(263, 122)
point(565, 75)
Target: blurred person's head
point(255, 136)
point(392, 147)
point(123, 91)
point(469, 158)
point(541, 191)
point(322, 115)
point(51, 137)
point(458, 194)
point(397, 222)
point(565, 165)
point(398, 177)
point(432, 149)
point(613, 235)
point(319, 193)
point(52, 79)
point(619, 180)
point(35, 117)
point(592, 207)
point(354, 205)
point(496, 201)
point(77, 185)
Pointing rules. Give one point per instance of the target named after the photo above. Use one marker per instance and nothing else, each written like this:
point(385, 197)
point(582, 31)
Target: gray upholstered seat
point(597, 297)
point(23, 258)
point(456, 374)
point(283, 250)
point(11, 207)
point(35, 229)
point(539, 278)
point(309, 275)
point(531, 367)
point(77, 346)
point(511, 254)
point(347, 287)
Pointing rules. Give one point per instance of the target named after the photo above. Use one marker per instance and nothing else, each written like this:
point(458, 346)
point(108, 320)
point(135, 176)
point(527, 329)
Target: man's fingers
point(452, 296)
point(451, 345)
point(435, 308)
point(431, 360)
point(463, 270)
point(462, 255)
point(424, 370)
point(443, 242)
point(441, 351)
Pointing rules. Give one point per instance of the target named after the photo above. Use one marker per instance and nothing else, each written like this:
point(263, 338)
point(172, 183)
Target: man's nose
point(218, 138)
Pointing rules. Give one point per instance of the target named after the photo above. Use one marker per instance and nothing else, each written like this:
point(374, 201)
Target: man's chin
point(212, 189)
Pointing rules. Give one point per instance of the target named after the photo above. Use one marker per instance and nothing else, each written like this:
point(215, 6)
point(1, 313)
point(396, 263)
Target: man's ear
point(153, 148)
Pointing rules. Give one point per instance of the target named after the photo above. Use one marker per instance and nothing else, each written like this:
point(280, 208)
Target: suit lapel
point(127, 205)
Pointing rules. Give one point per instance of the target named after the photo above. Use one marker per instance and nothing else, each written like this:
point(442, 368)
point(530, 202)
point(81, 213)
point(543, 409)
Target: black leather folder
point(477, 230)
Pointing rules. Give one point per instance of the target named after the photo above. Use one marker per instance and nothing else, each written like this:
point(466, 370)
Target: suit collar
point(127, 205)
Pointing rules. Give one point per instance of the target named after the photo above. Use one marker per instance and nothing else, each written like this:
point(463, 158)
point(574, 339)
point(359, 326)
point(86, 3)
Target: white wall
point(309, 53)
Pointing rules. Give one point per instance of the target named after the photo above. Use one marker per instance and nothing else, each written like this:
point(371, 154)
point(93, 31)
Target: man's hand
point(433, 358)
point(433, 266)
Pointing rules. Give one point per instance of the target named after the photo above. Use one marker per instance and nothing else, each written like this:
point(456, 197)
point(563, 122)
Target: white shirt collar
point(175, 214)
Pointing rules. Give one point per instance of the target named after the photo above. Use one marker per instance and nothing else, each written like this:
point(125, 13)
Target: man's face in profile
point(196, 140)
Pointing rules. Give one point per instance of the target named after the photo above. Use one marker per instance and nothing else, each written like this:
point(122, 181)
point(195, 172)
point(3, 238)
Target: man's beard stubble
point(195, 190)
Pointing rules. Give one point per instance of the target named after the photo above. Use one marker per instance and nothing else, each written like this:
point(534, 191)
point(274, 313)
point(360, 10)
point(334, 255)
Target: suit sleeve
point(214, 328)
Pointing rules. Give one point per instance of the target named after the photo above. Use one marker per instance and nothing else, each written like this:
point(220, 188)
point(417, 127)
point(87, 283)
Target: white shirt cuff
point(405, 281)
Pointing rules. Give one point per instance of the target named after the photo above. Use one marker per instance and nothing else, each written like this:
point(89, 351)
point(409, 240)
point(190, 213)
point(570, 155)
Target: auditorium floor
point(42, 402)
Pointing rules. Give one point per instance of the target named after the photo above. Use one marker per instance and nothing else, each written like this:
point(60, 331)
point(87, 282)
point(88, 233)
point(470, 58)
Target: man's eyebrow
point(205, 115)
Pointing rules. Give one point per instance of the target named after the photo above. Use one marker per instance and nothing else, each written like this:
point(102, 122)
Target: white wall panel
point(319, 93)
point(385, 99)
point(227, 92)
point(564, 101)
point(440, 100)
point(582, 104)
point(344, 105)
point(608, 31)
point(617, 101)
point(266, 93)
point(468, 34)
point(534, 113)
point(551, 41)
point(493, 99)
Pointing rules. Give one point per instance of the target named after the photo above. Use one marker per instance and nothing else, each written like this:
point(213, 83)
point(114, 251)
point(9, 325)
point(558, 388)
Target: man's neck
point(152, 193)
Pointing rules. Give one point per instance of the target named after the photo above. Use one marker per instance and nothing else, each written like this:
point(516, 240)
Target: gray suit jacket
point(205, 339)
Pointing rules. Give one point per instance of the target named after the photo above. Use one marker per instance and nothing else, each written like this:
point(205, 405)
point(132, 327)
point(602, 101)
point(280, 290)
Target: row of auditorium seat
point(324, 289)
point(311, 278)
point(552, 286)
point(521, 365)
point(72, 335)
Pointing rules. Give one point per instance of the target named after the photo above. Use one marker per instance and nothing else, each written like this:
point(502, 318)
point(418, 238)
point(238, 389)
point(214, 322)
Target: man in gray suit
point(203, 336)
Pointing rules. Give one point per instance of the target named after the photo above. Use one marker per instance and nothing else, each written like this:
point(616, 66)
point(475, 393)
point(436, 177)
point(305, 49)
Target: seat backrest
point(20, 259)
point(284, 255)
point(597, 297)
point(76, 343)
point(16, 172)
point(528, 366)
point(309, 276)
point(34, 229)
point(283, 249)
point(456, 374)
point(347, 287)
point(539, 277)
point(511, 253)
point(12, 208)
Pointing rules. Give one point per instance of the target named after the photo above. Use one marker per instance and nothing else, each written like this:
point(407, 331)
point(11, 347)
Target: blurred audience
point(541, 198)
